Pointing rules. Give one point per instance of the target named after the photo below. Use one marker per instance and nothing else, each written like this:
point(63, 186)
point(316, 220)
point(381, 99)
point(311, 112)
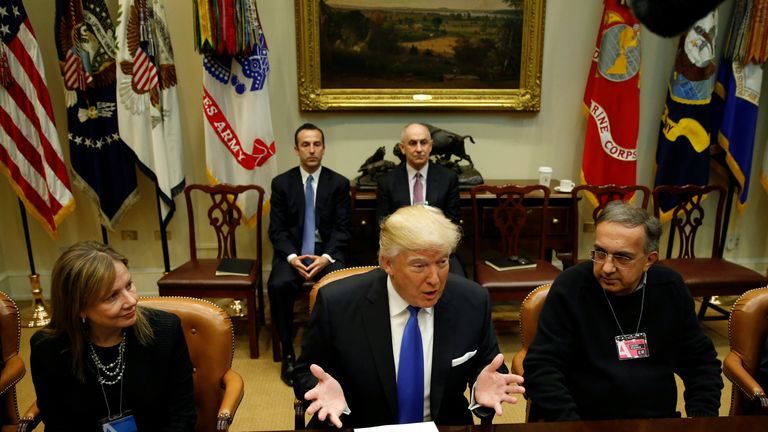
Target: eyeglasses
point(619, 261)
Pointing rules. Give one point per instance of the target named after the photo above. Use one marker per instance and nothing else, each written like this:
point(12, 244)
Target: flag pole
point(163, 234)
point(37, 314)
point(104, 235)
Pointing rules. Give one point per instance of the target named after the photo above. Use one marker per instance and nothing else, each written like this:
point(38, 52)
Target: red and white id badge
point(632, 346)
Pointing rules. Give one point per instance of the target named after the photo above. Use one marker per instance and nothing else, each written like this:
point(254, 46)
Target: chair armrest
point(517, 362)
point(232, 383)
point(30, 419)
point(12, 373)
point(733, 368)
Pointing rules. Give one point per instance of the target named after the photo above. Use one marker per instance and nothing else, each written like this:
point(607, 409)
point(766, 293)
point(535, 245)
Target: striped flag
point(144, 72)
point(30, 154)
point(148, 114)
point(612, 101)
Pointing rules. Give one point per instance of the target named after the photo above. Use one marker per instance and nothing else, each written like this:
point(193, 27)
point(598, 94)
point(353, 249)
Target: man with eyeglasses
point(614, 331)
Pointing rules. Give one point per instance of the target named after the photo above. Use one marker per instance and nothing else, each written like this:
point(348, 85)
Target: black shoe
point(286, 370)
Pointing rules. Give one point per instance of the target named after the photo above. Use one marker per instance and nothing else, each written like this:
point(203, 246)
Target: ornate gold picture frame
point(406, 54)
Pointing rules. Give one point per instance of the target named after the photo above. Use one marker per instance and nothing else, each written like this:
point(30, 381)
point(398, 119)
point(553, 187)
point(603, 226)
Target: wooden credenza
point(364, 245)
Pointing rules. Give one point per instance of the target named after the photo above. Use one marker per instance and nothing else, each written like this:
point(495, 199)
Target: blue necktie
point(410, 374)
point(308, 236)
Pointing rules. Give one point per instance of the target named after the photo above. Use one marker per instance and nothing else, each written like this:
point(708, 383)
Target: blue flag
point(682, 156)
point(738, 91)
point(103, 164)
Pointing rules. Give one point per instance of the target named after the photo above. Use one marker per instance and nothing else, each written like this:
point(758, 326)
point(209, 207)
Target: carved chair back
point(688, 216)
point(224, 216)
point(510, 215)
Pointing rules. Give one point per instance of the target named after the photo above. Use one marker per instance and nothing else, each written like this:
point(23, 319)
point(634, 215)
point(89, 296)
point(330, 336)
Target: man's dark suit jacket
point(442, 191)
point(332, 214)
point(349, 337)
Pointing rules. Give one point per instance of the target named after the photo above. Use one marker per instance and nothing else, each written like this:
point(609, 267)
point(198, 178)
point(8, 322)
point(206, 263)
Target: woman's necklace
point(113, 372)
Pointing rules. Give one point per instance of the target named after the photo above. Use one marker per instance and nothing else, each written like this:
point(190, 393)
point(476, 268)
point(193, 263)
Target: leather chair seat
point(715, 276)
point(747, 332)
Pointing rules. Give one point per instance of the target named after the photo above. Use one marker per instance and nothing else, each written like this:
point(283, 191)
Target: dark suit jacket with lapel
point(349, 337)
point(442, 191)
point(332, 214)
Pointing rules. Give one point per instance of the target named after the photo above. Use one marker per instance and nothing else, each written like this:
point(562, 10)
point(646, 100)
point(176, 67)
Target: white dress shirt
point(398, 317)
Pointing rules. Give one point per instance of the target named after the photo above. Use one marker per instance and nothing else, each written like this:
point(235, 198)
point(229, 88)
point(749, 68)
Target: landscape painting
point(357, 54)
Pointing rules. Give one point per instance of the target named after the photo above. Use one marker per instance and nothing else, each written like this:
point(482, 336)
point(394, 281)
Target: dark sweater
point(572, 370)
point(157, 382)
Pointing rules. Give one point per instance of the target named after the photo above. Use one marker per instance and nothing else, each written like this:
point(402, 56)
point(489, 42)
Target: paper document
point(410, 427)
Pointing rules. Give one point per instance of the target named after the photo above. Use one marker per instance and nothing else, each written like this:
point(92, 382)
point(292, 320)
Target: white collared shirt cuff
point(347, 411)
point(291, 257)
point(329, 258)
point(472, 402)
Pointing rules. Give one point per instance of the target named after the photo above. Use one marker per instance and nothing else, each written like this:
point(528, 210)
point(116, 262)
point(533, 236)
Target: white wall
point(509, 145)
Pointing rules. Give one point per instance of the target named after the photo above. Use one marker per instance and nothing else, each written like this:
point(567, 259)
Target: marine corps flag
point(30, 154)
point(104, 166)
point(147, 101)
point(239, 144)
point(682, 156)
point(611, 100)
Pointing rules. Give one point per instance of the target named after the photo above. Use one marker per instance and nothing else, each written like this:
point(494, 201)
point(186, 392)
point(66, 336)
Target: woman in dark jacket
point(105, 360)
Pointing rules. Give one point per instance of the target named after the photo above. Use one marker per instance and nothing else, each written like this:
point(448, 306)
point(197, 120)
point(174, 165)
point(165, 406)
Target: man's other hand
point(492, 388)
point(327, 397)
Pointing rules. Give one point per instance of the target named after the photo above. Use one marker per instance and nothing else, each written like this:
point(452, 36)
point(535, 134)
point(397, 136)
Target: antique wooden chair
point(497, 233)
point(705, 277)
point(197, 277)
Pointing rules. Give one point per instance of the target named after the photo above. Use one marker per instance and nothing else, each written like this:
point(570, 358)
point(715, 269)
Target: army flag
point(239, 143)
point(612, 100)
point(682, 156)
point(738, 88)
point(103, 165)
point(30, 153)
point(147, 101)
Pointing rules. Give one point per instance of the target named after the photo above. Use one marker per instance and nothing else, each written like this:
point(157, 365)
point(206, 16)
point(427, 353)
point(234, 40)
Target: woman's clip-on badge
point(632, 346)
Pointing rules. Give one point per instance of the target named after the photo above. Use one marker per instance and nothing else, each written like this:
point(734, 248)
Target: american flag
point(30, 154)
point(75, 75)
point(144, 72)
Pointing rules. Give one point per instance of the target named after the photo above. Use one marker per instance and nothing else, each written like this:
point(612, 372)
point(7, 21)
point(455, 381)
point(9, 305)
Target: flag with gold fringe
point(147, 97)
point(738, 89)
point(612, 100)
point(239, 142)
point(682, 156)
point(103, 165)
point(30, 153)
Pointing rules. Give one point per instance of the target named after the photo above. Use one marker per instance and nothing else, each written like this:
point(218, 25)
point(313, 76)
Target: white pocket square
point(457, 361)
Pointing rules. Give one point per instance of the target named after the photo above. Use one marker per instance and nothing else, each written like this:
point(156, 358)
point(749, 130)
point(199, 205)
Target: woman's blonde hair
point(82, 275)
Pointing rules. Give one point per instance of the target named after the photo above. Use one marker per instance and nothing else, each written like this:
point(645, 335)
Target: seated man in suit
point(419, 181)
point(615, 331)
point(309, 231)
point(401, 343)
